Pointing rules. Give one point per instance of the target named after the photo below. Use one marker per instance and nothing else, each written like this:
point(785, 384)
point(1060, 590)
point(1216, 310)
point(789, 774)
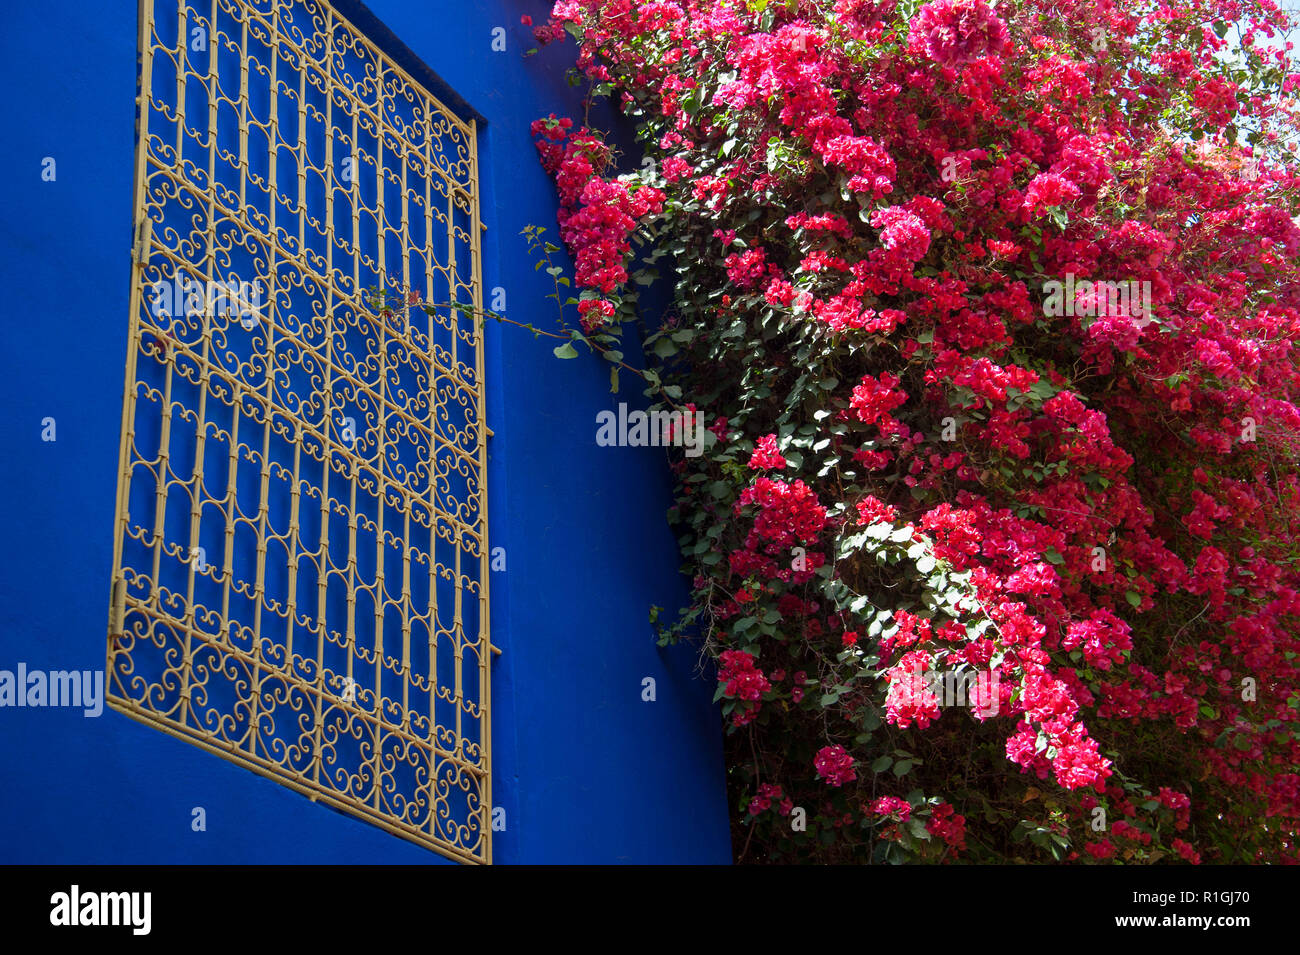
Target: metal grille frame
point(300, 557)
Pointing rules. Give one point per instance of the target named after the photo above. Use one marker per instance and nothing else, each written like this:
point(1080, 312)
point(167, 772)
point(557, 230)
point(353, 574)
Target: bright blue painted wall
point(586, 770)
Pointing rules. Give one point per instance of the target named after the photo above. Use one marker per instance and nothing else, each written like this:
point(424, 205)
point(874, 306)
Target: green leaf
point(665, 348)
point(1133, 597)
point(882, 764)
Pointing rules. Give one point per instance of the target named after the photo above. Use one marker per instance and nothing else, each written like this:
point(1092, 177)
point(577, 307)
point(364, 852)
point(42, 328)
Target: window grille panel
point(300, 554)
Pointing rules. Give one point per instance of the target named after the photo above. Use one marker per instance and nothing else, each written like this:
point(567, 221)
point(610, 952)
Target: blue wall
point(586, 771)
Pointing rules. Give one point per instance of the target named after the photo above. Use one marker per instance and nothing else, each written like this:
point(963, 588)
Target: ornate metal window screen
point(300, 557)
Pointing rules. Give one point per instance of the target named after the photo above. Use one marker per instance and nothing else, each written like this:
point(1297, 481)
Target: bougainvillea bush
point(991, 314)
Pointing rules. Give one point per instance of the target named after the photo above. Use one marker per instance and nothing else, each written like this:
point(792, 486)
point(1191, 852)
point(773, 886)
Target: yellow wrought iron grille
point(300, 555)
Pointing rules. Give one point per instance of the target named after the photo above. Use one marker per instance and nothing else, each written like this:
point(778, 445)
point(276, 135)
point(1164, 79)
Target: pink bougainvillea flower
point(957, 31)
point(835, 765)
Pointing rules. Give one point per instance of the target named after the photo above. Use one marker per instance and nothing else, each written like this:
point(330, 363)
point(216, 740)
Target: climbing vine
point(991, 314)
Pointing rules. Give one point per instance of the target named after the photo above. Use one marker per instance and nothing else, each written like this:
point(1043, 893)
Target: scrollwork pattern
point(301, 554)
